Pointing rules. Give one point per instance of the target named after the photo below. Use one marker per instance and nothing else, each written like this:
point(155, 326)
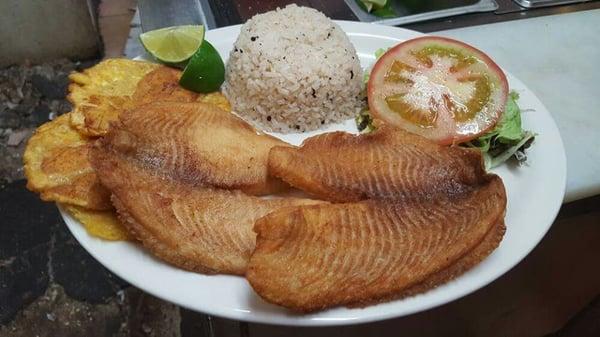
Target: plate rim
point(348, 27)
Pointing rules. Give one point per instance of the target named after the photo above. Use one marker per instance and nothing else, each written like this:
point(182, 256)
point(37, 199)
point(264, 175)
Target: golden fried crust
point(111, 77)
point(200, 229)
point(199, 144)
point(215, 98)
point(99, 93)
point(310, 258)
point(57, 166)
point(162, 84)
point(388, 163)
point(93, 117)
point(101, 224)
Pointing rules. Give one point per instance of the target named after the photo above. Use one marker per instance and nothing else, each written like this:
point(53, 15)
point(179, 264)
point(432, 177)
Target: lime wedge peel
point(205, 71)
point(173, 45)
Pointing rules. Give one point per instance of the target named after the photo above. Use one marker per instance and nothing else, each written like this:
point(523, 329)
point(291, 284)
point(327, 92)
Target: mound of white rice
point(293, 70)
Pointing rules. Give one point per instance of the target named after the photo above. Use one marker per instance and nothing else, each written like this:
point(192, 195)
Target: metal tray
point(544, 3)
point(410, 15)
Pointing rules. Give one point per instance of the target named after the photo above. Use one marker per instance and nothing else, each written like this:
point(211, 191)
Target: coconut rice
point(293, 70)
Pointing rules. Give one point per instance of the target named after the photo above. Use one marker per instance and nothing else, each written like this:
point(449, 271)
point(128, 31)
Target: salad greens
point(505, 141)
point(364, 121)
point(378, 53)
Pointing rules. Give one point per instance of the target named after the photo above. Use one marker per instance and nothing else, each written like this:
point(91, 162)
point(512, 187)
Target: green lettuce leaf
point(507, 140)
point(378, 53)
point(364, 121)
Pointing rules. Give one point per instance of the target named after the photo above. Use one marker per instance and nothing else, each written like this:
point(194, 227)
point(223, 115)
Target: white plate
point(535, 193)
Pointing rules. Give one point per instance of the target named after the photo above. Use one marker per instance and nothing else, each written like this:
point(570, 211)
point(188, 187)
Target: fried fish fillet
point(387, 163)
point(215, 98)
point(199, 144)
point(162, 84)
point(99, 97)
point(57, 166)
point(100, 92)
point(201, 229)
point(314, 257)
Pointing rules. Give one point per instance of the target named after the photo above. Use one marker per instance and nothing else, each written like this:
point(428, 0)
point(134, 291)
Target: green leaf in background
point(380, 8)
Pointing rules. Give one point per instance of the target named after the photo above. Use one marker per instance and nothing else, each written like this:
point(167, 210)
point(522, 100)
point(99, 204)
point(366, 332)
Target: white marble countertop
point(558, 58)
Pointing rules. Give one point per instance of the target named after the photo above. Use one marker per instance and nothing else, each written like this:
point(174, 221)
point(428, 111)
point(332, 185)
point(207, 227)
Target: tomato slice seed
point(396, 73)
point(421, 117)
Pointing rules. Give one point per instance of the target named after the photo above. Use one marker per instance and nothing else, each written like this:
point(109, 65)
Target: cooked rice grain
point(293, 70)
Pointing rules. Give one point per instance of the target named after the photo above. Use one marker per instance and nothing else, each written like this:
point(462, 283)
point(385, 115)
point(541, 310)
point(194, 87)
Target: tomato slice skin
point(439, 119)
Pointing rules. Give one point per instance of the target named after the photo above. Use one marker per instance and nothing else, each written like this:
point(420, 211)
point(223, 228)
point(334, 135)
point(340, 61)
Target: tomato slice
point(439, 88)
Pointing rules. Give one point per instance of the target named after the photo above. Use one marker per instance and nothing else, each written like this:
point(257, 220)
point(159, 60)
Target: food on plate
point(439, 88)
point(99, 92)
point(293, 70)
point(199, 144)
point(202, 229)
point(161, 84)
point(173, 45)
point(364, 121)
point(155, 154)
point(98, 108)
point(388, 163)
point(507, 139)
point(185, 47)
point(205, 71)
point(93, 118)
point(56, 158)
point(101, 224)
point(111, 77)
point(310, 258)
point(215, 98)
point(57, 166)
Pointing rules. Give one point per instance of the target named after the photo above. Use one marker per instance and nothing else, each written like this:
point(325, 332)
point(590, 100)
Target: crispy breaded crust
point(202, 229)
point(56, 166)
point(387, 163)
point(199, 144)
point(310, 258)
point(101, 224)
point(100, 92)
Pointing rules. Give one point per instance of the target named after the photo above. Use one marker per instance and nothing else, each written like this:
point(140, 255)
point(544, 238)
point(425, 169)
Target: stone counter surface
point(557, 58)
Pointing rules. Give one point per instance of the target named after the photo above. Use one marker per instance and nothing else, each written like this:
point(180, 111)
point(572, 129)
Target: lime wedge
point(205, 71)
point(173, 45)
